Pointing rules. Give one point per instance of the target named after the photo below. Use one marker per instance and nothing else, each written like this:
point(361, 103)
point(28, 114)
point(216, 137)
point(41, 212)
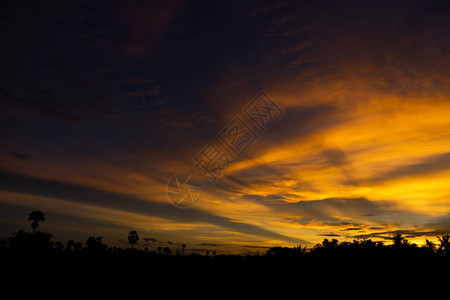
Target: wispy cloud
point(430, 165)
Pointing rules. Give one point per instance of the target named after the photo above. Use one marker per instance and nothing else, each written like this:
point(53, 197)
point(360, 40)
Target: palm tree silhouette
point(183, 247)
point(429, 246)
point(299, 250)
point(133, 237)
point(444, 247)
point(399, 241)
point(36, 217)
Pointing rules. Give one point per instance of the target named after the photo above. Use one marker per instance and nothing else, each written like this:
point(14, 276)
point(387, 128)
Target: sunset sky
point(103, 102)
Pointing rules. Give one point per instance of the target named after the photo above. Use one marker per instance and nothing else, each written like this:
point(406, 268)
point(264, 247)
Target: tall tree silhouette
point(429, 246)
point(183, 247)
point(133, 237)
point(36, 217)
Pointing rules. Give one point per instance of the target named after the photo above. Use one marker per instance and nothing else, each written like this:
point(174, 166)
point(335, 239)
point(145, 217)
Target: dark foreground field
point(33, 257)
point(32, 261)
point(323, 273)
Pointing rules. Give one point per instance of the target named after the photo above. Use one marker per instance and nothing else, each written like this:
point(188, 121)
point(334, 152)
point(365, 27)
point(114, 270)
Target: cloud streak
point(430, 165)
point(56, 189)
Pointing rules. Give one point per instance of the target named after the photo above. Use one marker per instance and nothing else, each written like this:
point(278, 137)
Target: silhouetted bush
point(25, 241)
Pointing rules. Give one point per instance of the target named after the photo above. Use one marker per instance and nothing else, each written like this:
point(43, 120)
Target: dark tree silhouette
point(96, 245)
point(444, 246)
point(159, 249)
point(59, 246)
point(286, 251)
point(399, 241)
point(36, 217)
point(78, 246)
point(3, 245)
point(38, 241)
point(70, 244)
point(183, 247)
point(300, 250)
point(367, 244)
point(330, 244)
point(429, 246)
point(91, 242)
point(167, 250)
point(133, 237)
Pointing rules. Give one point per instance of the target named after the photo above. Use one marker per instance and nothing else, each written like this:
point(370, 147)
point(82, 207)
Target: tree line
point(39, 242)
